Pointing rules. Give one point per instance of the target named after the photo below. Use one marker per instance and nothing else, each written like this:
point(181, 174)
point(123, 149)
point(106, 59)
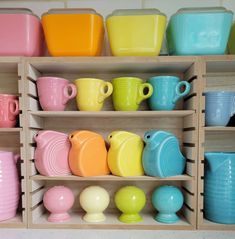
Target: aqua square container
point(136, 32)
point(199, 31)
point(231, 42)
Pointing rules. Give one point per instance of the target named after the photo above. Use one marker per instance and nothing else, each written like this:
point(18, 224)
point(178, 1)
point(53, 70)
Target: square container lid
point(136, 12)
point(203, 10)
point(71, 11)
point(16, 11)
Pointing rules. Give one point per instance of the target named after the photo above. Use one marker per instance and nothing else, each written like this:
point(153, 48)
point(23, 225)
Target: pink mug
point(54, 93)
point(9, 109)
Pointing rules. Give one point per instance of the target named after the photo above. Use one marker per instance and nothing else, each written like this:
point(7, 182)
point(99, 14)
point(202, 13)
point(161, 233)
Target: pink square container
point(21, 33)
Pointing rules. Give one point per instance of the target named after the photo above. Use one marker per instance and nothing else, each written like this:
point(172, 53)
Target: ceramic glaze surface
point(130, 200)
point(161, 155)
point(9, 109)
point(51, 153)
point(219, 194)
point(54, 93)
point(220, 106)
point(231, 42)
point(91, 93)
point(166, 92)
point(199, 32)
point(9, 185)
point(58, 200)
point(129, 92)
point(136, 32)
point(88, 154)
point(167, 200)
point(81, 32)
point(125, 153)
point(94, 200)
point(23, 34)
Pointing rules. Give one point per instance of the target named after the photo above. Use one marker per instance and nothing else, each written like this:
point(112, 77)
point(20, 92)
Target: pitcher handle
point(16, 157)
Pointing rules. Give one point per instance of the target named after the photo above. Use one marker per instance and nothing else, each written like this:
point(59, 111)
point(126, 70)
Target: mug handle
point(141, 95)
point(180, 94)
point(105, 93)
point(13, 108)
point(233, 107)
point(68, 96)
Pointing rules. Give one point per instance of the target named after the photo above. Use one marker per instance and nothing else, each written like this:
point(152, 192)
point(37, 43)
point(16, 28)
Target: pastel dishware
point(81, 32)
point(136, 32)
point(125, 153)
point(167, 200)
point(187, 33)
point(219, 183)
point(52, 153)
point(58, 200)
point(91, 93)
point(9, 110)
point(88, 154)
point(94, 200)
point(9, 185)
point(231, 42)
point(22, 33)
point(166, 92)
point(129, 92)
point(162, 156)
point(54, 92)
point(220, 106)
point(130, 200)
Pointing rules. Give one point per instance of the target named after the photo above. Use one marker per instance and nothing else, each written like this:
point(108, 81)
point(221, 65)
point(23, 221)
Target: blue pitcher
point(219, 187)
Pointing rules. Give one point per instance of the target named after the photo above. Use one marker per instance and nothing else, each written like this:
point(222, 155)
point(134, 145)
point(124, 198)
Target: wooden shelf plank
point(10, 130)
point(112, 222)
point(15, 222)
point(167, 64)
point(110, 114)
point(208, 225)
point(111, 178)
point(220, 129)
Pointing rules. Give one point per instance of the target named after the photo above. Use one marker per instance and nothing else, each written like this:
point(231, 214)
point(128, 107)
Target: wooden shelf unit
point(216, 73)
point(12, 139)
point(183, 122)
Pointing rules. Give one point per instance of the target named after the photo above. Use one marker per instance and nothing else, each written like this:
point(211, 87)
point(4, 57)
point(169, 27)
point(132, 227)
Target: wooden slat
point(32, 72)
point(37, 197)
point(190, 186)
point(189, 199)
point(190, 136)
point(35, 185)
point(35, 122)
point(190, 121)
point(191, 103)
point(33, 104)
point(191, 169)
point(32, 88)
point(36, 213)
point(189, 215)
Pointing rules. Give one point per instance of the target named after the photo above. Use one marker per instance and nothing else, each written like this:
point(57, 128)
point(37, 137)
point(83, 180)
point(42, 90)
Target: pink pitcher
point(9, 185)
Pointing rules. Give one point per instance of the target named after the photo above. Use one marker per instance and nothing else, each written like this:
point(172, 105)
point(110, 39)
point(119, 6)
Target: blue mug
point(166, 92)
point(220, 106)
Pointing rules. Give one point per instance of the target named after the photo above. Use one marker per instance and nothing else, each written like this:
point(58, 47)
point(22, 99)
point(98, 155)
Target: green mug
point(129, 92)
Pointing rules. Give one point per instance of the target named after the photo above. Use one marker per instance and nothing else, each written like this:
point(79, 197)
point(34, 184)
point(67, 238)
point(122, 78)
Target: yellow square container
point(73, 32)
point(136, 32)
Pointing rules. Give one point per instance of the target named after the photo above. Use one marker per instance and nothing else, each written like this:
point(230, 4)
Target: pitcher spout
point(215, 160)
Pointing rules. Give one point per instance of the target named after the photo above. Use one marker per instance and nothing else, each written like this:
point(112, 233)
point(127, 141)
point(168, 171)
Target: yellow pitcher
point(125, 154)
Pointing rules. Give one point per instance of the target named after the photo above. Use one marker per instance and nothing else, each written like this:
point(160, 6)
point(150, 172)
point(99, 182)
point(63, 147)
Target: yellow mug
point(91, 93)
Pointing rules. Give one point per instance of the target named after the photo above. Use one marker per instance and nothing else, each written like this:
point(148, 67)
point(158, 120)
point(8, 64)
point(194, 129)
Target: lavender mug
point(54, 93)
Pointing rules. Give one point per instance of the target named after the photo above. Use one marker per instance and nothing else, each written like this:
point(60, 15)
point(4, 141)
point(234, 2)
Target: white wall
point(105, 7)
